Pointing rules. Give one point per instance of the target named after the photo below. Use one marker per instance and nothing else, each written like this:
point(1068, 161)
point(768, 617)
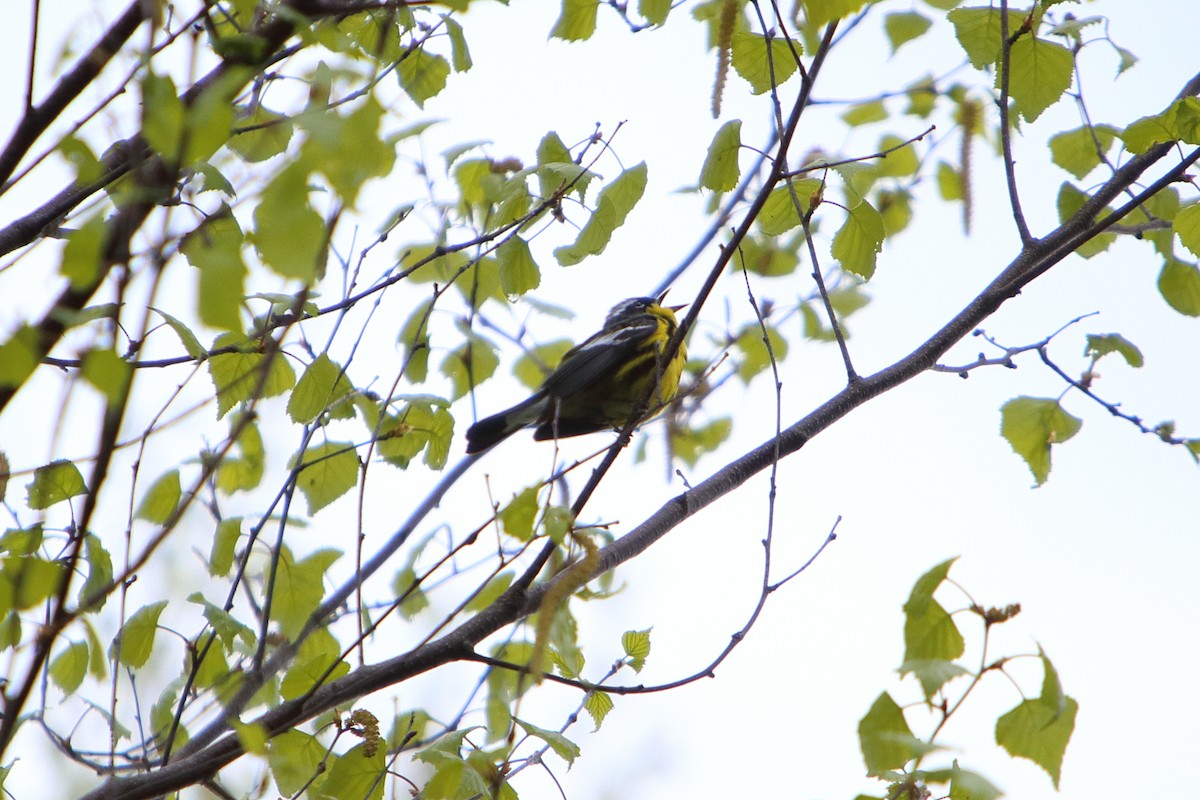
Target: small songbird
point(600, 384)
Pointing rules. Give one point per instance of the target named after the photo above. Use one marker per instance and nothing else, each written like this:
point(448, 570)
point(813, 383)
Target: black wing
point(596, 358)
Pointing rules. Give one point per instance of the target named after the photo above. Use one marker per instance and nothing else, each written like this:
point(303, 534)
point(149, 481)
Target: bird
point(601, 384)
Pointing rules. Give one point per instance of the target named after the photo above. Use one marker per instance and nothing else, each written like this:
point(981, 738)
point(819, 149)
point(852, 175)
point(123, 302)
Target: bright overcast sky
point(1101, 558)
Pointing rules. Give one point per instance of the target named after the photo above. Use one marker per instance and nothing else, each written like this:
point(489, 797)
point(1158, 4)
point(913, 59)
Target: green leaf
point(859, 241)
point(750, 59)
point(289, 235)
point(460, 55)
point(69, 667)
point(517, 517)
point(1031, 425)
point(1039, 729)
point(263, 135)
point(1179, 284)
point(215, 250)
point(294, 758)
point(819, 12)
point(563, 747)
point(220, 559)
point(637, 648)
point(779, 214)
point(423, 75)
point(1040, 73)
point(597, 705)
point(228, 628)
point(245, 472)
point(886, 740)
point(53, 483)
point(424, 424)
point(100, 574)
point(1070, 200)
point(904, 26)
point(470, 365)
point(865, 113)
point(1180, 122)
point(134, 643)
point(19, 356)
point(27, 581)
point(162, 116)
point(688, 444)
point(532, 368)
point(318, 391)
point(932, 673)
point(967, 785)
point(755, 355)
point(412, 599)
point(161, 499)
point(77, 153)
point(1079, 151)
point(251, 736)
point(978, 31)
point(326, 472)
point(84, 252)
point(1100, 345)
point(576, 21)
point(721, 172)
point(348, 150)
point(613, 205)
point(899, 163)
point(299, 587)
point(238, 377)
point(930, 634)
point(209, 119)
point(190, 343)
point(108, 372)
point(1187, 227)
point(490, 591)
point(307, 674)
point(519, 273)
point(766, 257)
point(654, 11)
point(355, 775)
point(414, 336)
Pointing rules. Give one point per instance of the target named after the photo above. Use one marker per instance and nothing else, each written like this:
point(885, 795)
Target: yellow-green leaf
point(576, 21)
point(762, 68)
point(53, 483)
point(1187, 227)
point(326, 472)
point(720, 172)
point(423, 75)
point(904, 26)
point(289, 234)
point(134, 643)
point(215, 250)
point(1179, 284)
point(318, 391)
point(69, 667)
point(1040, 73)
point(613, 205)
point(1031, 425)
point(519, 273)
point(859, 241)
point(161, 500)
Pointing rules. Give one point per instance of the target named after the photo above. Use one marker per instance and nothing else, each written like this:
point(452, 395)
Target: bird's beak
point(663, 296)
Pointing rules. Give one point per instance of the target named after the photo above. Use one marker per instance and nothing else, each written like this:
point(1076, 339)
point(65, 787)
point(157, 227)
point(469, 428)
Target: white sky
point(1101, 558)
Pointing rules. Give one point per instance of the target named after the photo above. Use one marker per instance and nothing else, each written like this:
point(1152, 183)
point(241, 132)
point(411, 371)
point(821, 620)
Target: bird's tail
point(492, 430)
